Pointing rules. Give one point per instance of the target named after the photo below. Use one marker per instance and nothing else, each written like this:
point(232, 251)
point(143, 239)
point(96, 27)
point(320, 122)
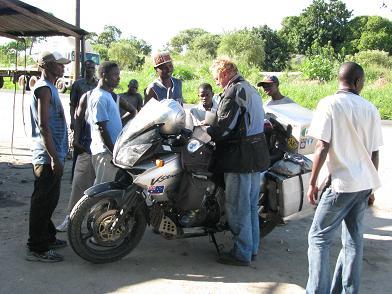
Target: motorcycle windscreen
point(137, 149)
point(153, 113)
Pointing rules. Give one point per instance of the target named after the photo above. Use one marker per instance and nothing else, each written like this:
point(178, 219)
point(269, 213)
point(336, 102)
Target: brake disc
point(104, 234)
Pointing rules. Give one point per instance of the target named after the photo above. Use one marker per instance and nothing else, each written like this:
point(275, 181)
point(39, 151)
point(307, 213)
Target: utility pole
point(77, 40)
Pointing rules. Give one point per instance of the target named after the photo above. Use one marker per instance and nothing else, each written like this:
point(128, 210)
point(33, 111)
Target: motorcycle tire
point(89, 231)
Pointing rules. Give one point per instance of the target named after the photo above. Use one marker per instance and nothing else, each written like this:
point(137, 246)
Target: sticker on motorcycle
point(156, 189)
point(292, 143)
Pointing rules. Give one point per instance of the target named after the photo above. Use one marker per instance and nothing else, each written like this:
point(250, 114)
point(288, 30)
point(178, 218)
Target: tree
point(182, 40)
point(322, 22)
point(276, 49)
point(102, 50)
point(109, 35)
point(244, 46)
point(140, 45)
point(205, 45)
point(290, 32)
point(126, 54)
point(376, 35)
point(369, 33)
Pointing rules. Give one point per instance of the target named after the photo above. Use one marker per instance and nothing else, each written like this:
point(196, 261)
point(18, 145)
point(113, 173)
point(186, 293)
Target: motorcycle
point(163, 181)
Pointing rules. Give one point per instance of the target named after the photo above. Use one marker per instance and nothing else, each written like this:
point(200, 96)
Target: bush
point(373, 57)
point(318, 68)
point(320, 63)
point(183, 72)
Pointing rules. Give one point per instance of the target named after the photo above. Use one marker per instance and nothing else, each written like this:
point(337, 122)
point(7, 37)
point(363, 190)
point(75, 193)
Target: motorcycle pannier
point(288, 180)
point(288, 193)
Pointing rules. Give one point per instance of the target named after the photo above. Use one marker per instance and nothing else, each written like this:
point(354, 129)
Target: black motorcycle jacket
point(241, 146)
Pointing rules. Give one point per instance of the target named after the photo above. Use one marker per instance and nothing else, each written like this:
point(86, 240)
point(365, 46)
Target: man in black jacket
point(241, 154)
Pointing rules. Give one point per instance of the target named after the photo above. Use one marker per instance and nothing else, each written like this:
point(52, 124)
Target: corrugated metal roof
point(18, 19)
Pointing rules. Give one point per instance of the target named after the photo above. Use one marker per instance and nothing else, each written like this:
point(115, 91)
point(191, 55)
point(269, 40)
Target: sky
point(156, 21)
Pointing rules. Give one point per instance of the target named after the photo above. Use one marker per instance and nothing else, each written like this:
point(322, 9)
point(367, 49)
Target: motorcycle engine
point(163, 222)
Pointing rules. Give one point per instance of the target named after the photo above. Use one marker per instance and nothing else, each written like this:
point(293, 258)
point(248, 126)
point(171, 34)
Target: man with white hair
point(241, 154)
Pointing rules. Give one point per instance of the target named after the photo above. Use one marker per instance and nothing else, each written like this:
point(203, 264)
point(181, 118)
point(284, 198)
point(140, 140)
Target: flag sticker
point(156, 189)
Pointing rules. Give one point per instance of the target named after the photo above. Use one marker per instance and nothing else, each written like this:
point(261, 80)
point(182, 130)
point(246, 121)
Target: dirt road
point(178, 266)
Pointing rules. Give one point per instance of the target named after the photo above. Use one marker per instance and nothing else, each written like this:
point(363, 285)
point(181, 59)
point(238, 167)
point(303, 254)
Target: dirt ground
point(178, 266)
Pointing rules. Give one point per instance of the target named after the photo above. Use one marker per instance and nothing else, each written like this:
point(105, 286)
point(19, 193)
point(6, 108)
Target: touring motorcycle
point(163, 181)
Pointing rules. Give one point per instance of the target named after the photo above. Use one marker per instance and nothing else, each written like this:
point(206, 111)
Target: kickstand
point(217, 247)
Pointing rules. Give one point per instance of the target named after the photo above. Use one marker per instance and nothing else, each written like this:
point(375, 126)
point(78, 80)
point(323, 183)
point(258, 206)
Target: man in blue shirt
point(105, 121)
point(50, 145)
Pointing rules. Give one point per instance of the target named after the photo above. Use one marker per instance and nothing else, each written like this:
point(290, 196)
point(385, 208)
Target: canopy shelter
point(18, 19)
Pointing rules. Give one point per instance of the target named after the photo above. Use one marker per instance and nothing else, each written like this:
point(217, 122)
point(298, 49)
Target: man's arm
point(375, 160)
point(139, 102)
point(79, 118)
point(320, 155)
point(228, 113)
point(73, 104)
point(44, 96)
point(149, 94)
point(125, 105)
point(105, 135)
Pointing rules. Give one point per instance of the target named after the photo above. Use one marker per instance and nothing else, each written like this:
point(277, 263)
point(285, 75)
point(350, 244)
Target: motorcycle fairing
point(136, 149)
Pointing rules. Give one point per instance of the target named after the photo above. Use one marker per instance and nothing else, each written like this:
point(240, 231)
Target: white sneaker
point(64, 226)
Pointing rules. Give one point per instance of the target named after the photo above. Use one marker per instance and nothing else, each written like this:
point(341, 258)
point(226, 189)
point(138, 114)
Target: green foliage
point(183, 39)
point(109, 35)
point(377, 35)
point(276, 48)
point(369, 33)
point(321, 22)
point(102, 50)
point(126, 55)
point(15, 51)
point(373, 57)
point(320, 63)
point(244, 47)
point(183, 73)
point(140, 45)
point(204, 46)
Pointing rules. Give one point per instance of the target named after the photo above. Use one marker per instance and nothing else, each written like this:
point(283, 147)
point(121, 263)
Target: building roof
point(18, 19)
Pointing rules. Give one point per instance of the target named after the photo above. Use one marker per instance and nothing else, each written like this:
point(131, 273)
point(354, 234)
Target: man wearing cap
point(165, 86)
point(49, 148)
point(270, 85)
point(133, 97)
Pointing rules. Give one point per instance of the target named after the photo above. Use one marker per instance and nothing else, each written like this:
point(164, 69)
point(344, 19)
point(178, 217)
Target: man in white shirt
point(270, 86)
point(208, 102)
point(348, 129)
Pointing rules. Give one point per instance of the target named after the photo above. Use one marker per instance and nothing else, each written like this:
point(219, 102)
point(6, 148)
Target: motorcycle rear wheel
point(268, 219)
point(90, 234)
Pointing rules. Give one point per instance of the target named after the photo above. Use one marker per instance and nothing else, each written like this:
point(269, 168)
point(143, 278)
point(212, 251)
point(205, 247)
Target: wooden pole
point(77, 41)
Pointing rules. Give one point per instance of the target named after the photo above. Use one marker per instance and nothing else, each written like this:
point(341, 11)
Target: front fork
point(133, 200)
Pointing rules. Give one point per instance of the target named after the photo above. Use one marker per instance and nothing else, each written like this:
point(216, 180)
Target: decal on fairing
point(156, 189)
point(162, 178)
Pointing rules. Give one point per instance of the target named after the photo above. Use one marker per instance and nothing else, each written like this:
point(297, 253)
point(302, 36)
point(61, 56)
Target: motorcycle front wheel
point(91, 234)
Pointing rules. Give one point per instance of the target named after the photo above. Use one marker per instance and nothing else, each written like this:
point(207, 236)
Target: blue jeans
point(242, 195)
point(331, 211)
